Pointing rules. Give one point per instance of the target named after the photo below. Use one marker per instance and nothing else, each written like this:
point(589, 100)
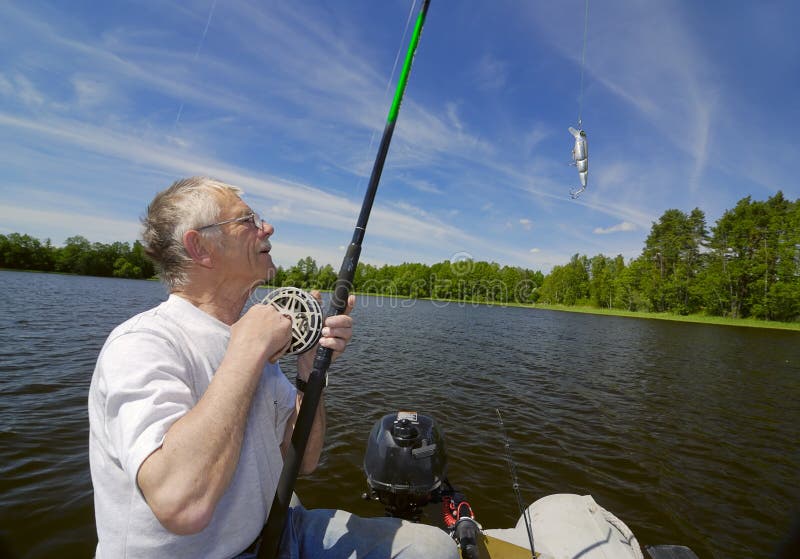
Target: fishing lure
point(580, 159)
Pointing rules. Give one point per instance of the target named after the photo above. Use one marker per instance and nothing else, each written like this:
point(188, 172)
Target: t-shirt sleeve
point(147, 390)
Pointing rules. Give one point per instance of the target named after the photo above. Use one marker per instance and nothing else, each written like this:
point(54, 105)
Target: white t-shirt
point(153, 369)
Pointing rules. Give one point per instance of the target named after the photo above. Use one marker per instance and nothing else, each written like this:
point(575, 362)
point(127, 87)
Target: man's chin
point(271, 271)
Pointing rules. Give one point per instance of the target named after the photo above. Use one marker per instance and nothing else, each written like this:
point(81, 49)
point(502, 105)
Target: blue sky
point(103, 104)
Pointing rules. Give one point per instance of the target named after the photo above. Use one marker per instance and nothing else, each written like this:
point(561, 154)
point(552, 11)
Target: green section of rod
point(412, 47)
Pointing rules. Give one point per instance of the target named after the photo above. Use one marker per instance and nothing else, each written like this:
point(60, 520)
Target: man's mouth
point(266, 247)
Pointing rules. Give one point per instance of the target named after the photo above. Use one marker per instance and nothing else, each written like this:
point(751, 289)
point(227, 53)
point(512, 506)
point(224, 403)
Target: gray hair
point(185, 205)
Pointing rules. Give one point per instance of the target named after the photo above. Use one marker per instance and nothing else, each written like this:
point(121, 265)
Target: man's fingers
point(351, 303)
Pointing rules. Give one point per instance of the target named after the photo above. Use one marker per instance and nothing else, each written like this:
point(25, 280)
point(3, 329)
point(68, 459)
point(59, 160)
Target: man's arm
point(184, 479)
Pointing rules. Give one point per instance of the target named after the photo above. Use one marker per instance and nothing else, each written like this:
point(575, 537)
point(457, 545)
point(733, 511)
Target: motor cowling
point(405, 463)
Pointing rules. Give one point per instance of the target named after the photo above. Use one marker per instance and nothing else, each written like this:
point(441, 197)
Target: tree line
point(746, 265)
point(461, 280)
point(77, 256)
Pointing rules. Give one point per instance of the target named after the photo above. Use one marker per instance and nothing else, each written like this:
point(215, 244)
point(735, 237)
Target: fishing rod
point(273, 529)
point(515, 483)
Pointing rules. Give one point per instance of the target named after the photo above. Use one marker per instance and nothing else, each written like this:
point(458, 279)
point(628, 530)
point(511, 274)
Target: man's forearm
point(184, 479)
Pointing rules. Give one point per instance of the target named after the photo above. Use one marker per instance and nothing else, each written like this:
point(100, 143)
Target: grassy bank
point(702, 319)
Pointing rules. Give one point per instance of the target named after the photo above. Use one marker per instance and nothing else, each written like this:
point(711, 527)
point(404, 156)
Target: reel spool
point(306, 315)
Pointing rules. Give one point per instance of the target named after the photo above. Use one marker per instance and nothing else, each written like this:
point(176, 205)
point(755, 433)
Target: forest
point(747, 265)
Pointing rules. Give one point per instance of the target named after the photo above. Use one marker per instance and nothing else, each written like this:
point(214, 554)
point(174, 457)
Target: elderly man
point(190, 413)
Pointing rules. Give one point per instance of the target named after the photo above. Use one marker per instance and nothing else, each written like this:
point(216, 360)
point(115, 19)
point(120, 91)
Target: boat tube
point(406, 469)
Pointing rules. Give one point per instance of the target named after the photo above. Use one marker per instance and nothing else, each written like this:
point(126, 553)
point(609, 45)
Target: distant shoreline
point(692, 318)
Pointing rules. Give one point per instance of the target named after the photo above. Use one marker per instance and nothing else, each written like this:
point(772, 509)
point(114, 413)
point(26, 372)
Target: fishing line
point(583, 63)
point(580, 148)
point(197, 53)
point(515, 483)
point(391, 78)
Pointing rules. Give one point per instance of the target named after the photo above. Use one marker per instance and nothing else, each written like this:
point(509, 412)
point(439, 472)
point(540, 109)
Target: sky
point(685, 104)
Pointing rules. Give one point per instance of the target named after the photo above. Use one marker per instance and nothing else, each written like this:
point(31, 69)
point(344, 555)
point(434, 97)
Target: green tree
point(442, 280)
point(419, 280)
point(603, 273)
point(24, 252)
point(628, 285)
point(673, 250)
point(139, 259)
point(568, 284)
point(326, 278)
point(303, 274)
point(71, 256)
point(123, 268)
point(754, 249)
point(784, 290)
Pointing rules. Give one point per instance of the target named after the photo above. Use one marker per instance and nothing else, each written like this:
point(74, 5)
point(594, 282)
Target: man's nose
point(266, 228)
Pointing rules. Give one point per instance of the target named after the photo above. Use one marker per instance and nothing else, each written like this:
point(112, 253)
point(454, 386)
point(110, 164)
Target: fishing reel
point(305, 313)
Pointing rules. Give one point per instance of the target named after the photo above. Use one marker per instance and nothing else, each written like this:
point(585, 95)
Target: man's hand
point(336, 334)
point(263, 333)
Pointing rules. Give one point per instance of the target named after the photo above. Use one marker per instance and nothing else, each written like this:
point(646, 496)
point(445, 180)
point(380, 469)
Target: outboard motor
point(405, 463)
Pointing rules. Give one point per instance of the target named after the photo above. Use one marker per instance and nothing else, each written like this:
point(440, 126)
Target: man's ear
point(198, 248)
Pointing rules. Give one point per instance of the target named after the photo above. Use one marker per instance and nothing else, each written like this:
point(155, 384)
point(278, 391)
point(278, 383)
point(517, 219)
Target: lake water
point(688, 433)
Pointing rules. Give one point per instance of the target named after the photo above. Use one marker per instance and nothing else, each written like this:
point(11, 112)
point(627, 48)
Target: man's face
point(243, 255)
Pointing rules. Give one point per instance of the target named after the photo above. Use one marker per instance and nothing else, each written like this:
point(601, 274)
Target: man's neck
point(219, 303)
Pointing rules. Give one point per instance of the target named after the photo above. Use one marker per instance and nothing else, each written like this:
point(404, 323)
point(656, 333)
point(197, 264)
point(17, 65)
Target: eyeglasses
point(253, 218)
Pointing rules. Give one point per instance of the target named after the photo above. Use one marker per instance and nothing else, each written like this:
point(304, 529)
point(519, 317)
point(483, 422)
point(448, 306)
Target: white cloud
point(312, 206)
point(624, 226)
point(90, 92)
point(24, 90)
point(534, 137)
point(287, 254)
point(6, 87)
point(452, 115)
point(62, 225)
point(526, 224)
point(490, 73)
point(424, 186)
